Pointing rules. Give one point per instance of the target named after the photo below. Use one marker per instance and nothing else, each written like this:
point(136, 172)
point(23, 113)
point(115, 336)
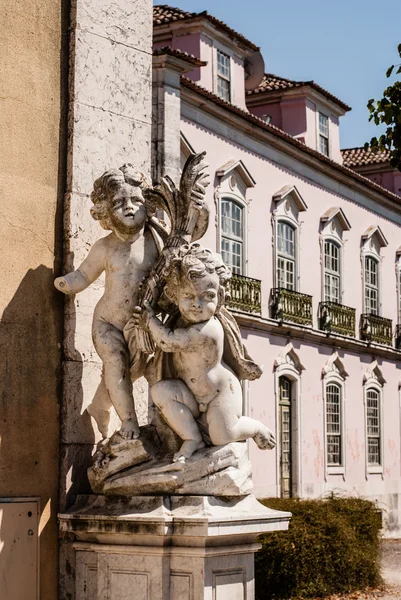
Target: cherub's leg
point(179, 407)
point(99, 408)
point(226, 426)
point(112, 349)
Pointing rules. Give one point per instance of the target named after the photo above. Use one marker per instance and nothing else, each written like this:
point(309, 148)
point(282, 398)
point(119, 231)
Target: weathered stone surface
point(127, 21)
point(103, 139)
point(137, 467)
point(99, 59)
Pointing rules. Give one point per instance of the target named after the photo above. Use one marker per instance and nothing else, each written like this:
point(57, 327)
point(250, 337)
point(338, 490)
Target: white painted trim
point(331, 376)
point(398, 286)
point(284, 369)
point(366, 252)
point(369, 383)
point(228, 52)
point(340, 245)
point(197, 111)
point(297, 231)
point(245, 207)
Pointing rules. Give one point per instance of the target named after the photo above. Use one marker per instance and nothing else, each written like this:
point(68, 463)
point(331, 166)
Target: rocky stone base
point(141, 467)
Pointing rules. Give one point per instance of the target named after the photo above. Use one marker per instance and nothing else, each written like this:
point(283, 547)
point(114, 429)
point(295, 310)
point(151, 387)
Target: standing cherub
point(206, 356)
point(127, 255)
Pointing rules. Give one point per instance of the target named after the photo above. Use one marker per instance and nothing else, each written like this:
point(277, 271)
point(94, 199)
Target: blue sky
point(345, 46)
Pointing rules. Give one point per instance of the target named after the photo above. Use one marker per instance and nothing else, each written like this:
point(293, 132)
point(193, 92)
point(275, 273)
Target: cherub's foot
point(187, 450)
point(102, 418)
point(129, 429)
point(265, 439)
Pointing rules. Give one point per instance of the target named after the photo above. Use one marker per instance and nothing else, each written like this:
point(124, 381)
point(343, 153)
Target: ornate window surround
point(333, 224)
point(234, 180)
point(288, 365)
point(373, 379)
point(334, 372)
point(372, 241)
point(398, 282)
point(288, 204)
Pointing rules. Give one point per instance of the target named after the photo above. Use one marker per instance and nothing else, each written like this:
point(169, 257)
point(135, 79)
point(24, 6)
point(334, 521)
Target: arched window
point(371, 285)
point(334, 425)
point(332, 272)
point(373, 427)
point(286, 255)
point(232, 235)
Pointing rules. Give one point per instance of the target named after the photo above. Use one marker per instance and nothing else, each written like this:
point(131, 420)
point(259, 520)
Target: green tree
point(388, 111)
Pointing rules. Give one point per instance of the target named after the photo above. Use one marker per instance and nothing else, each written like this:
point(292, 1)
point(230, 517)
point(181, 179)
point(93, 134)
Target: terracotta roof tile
point(163, 14)
point(359, 157)
point(293, 141)
point(197, 62)
point(273, 83)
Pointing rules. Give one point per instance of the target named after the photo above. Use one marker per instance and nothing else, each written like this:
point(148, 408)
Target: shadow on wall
point(77, 433)
point(30, 361)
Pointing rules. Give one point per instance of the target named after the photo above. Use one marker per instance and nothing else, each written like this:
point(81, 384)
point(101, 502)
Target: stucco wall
point(31, 185)
point(223, 143)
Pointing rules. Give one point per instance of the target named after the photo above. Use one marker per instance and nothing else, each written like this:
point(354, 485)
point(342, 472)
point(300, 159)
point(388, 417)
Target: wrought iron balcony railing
point(376, 329)
point(398, 337)
point(287, 305)
point(337, 318)
point(245, 294)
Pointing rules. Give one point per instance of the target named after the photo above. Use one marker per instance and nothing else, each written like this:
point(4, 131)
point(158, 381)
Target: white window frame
point(333, 225)
point(398, 285)
point(374, 379)
point(374, 469)
point(295, 226)
point(243, 206)
point(280, 255)
point(369, 256)
point(226, 54)
point(322, 135)
point(332, 274)
point(288, 365)
point(373, 241)
point(289, 205)
point(334, 373)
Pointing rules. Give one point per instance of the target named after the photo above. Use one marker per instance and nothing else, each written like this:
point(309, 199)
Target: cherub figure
point(207, 355)
point(127, 255)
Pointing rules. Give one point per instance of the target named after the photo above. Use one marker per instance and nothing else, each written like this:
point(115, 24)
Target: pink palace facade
point(313, 236)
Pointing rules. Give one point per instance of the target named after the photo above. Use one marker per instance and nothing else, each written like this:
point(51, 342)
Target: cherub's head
point(118, 198)
point(197, 280)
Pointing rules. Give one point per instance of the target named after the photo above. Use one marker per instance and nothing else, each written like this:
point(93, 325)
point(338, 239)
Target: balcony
point(287, 305)
point(376, 329)
point(398, 337)
point(245, 294)
point(337, 318)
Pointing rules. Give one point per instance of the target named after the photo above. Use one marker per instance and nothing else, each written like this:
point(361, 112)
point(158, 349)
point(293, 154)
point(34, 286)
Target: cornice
point(238, 120)
point(314, 336)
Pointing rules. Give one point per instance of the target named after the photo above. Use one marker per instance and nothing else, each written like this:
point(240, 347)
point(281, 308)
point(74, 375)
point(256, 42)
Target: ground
point(391, 571)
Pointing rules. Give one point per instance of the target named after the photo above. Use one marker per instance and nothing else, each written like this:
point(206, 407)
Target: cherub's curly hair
point(191, 262)
point(108, 183)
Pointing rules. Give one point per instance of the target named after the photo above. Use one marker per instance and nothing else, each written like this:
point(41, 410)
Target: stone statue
point(204, 386)
point(127, 255)
point(163, 315)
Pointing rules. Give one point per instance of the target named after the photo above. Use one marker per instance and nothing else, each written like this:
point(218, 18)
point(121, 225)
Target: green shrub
point(332, 547)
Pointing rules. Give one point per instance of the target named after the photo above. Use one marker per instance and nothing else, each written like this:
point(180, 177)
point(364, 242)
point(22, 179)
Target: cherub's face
point(127, 210)
point(198, 298)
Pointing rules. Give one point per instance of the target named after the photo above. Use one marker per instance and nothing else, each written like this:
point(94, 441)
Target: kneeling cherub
point(203, 339)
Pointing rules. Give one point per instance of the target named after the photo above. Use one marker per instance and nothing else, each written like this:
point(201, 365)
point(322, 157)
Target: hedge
point(332, 546)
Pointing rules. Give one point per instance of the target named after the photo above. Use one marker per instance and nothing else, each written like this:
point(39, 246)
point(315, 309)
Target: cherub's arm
point(167, 339)
point(88, 271)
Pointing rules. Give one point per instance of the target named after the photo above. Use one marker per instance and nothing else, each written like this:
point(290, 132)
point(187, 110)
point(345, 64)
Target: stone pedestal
point(167, 548)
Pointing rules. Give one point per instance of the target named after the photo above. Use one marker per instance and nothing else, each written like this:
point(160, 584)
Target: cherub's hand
point(141, 316)
point(62, 285)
